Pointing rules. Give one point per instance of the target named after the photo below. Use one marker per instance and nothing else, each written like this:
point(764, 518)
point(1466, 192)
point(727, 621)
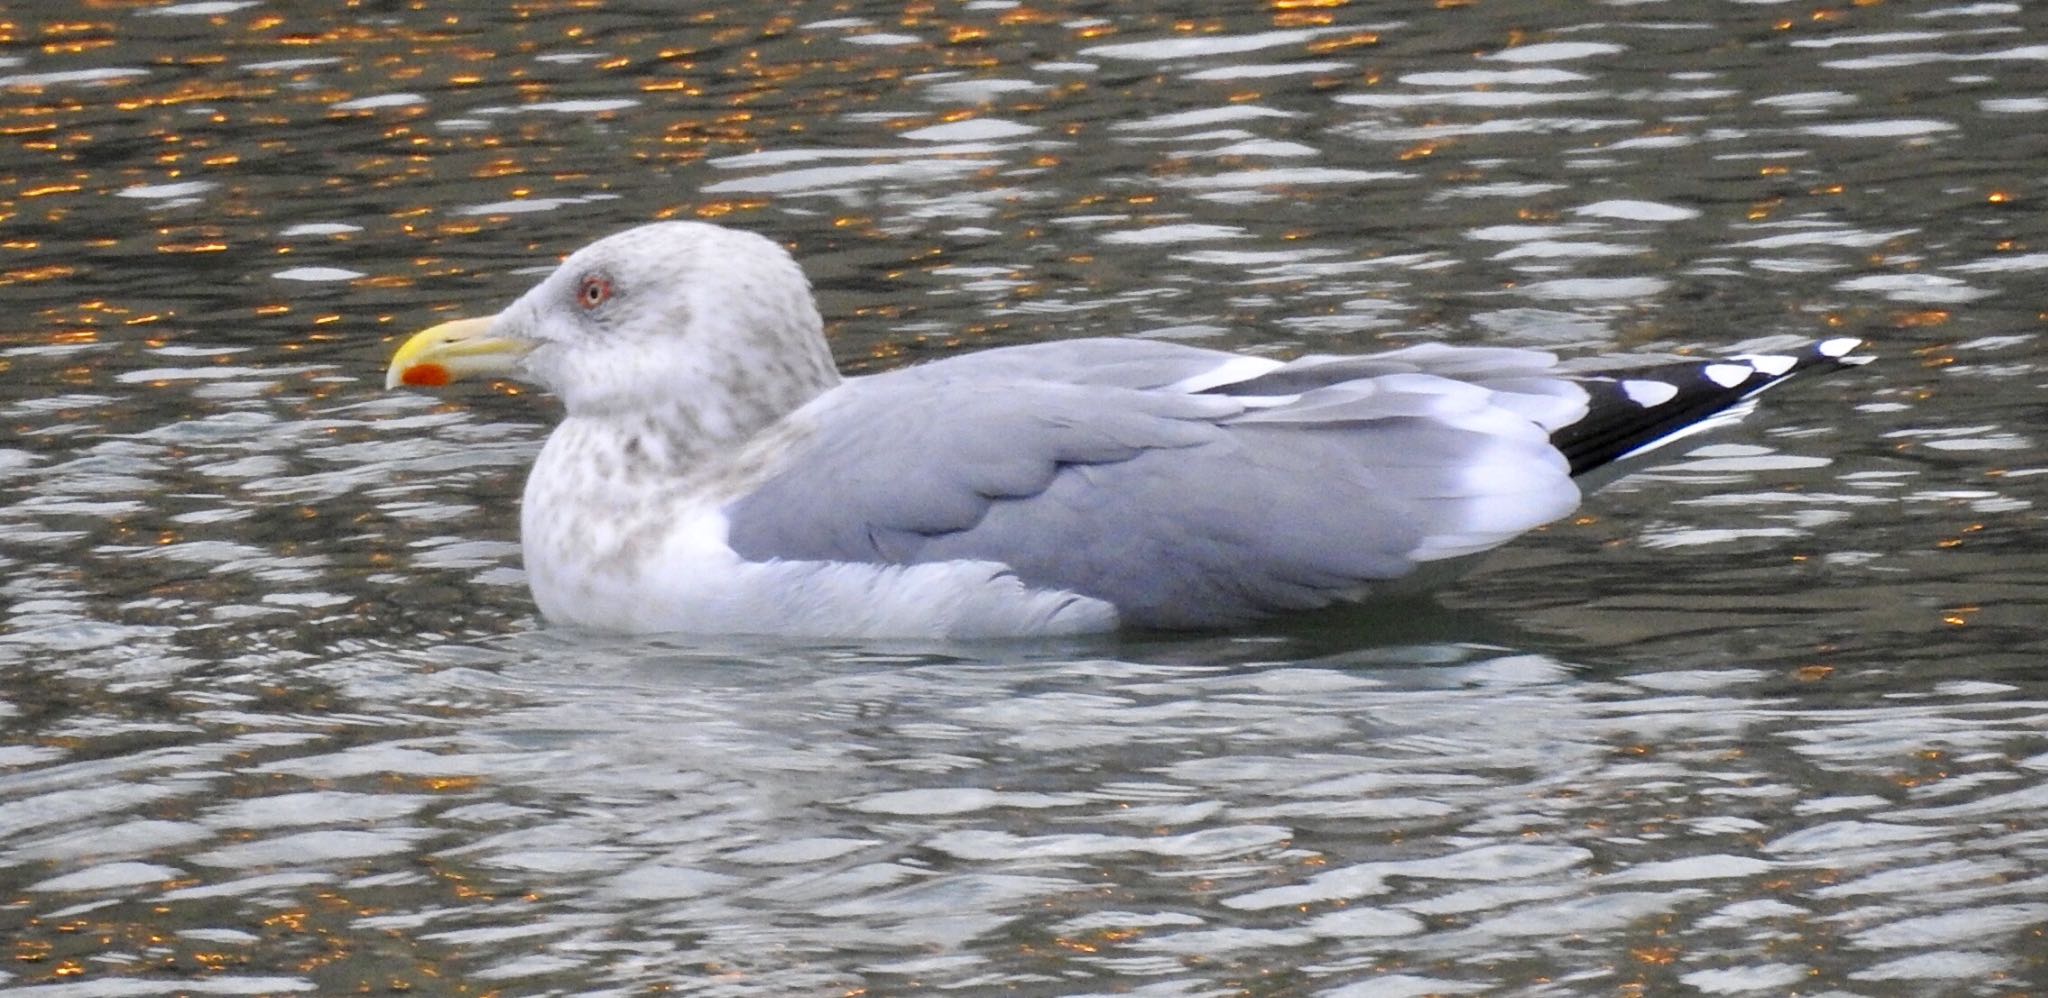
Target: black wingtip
point(1634, 410)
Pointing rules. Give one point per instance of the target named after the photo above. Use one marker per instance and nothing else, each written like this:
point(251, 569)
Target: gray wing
point(1181, 508)
point(1129, 363)
point(1092, 361)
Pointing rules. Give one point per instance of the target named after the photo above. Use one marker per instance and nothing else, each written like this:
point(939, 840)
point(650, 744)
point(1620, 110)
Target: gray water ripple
point(280, 717)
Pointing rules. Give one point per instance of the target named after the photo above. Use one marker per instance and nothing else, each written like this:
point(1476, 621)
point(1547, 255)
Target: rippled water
point(278, 716)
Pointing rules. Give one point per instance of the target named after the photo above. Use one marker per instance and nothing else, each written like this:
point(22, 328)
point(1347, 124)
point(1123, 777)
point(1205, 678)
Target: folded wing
point(1187, 488)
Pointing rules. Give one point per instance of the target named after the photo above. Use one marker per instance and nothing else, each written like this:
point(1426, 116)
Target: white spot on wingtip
point(1647, 393)
point(1728, 375)
point(1774, 364)
point(1838, 347)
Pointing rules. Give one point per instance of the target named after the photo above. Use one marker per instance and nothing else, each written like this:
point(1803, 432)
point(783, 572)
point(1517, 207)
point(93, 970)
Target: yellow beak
point(459, 349)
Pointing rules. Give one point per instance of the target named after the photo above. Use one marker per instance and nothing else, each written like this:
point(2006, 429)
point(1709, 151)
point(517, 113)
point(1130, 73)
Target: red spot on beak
point(425, 376)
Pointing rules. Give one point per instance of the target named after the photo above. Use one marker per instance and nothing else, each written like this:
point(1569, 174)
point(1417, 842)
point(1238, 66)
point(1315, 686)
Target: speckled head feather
point(710, 328)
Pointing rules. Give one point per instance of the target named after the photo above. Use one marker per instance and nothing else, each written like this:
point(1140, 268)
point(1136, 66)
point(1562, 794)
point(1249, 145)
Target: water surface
point(278, 715)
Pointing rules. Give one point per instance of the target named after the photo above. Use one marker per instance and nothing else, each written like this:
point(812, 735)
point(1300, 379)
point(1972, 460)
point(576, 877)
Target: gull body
point(713, 472)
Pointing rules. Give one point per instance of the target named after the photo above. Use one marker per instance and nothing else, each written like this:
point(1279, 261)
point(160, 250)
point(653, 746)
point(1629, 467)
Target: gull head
point(663, 320)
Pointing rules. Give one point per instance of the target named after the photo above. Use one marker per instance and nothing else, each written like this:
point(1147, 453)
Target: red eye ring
point(594, 291)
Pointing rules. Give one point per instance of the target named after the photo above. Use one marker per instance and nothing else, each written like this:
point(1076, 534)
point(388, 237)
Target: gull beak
point(462, 348)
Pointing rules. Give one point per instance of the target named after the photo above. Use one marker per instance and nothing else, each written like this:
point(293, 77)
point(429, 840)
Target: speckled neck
point(597, 491)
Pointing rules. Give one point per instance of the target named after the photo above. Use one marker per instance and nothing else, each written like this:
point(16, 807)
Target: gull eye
point(594, 291)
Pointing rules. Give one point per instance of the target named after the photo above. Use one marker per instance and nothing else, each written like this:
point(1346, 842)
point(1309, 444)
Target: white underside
point(691, 581)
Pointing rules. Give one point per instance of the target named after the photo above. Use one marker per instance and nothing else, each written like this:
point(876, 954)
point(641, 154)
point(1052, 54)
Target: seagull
point(715, 473)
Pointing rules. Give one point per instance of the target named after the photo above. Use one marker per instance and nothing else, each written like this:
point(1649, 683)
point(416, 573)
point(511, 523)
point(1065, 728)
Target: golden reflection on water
point(253, 119)
point(155, 204)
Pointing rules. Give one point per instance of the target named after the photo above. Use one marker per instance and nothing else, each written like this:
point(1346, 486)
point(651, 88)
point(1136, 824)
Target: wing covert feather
point(1183, 510)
